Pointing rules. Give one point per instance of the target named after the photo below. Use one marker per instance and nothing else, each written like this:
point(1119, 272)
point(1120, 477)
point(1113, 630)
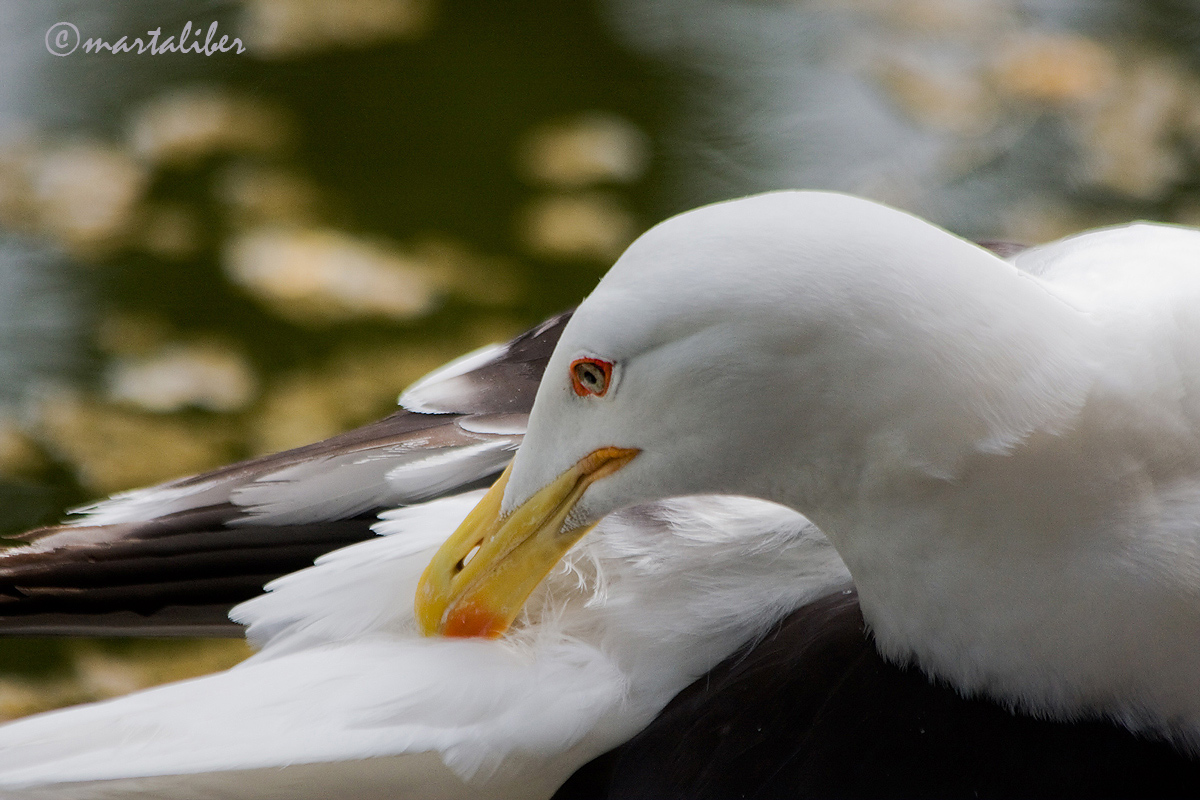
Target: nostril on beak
point(462, 562)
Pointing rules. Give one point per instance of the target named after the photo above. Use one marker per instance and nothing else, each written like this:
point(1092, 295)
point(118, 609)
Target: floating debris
point(589, 226)
point(257, 194)
point(86, 195)
point(1057, 69)
point(112, 449)
point(18, 154)
point(204, 375)
point(184, 126)
point(316, 275)
point(588, 149)
point(20, 697)
point(1131, 138)
point(284, 28)
point(953, 101)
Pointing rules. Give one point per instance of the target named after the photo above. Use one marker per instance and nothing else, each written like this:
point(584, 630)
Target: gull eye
point(590, 376)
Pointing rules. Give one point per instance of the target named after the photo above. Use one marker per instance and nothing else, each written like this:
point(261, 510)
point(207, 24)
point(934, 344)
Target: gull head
point(773, 346)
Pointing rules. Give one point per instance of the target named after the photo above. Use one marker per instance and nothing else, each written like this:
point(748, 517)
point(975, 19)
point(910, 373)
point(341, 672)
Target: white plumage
point(1007, 458)
point(657, 597)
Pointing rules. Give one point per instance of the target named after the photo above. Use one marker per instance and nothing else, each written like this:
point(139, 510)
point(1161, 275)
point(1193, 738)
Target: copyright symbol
point(59, 40)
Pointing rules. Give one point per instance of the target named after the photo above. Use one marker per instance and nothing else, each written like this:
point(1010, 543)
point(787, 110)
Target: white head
point(768, 346)
point(776, 346)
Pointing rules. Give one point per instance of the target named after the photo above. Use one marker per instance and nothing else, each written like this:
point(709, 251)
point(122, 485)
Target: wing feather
point(173, 559)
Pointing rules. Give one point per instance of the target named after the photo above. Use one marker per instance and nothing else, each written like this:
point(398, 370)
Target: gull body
point(346, 697)
point(1003, 452)
point(1006, 455)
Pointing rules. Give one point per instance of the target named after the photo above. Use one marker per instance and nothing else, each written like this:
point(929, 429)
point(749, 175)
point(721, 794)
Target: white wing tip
point(415, 398)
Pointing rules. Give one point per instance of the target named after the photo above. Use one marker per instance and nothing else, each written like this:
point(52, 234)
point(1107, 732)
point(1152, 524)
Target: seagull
point(1005, 456)
point(344, 695)
point(764, 400)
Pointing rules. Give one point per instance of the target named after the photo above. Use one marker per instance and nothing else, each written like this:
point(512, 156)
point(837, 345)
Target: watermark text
point(63, 38)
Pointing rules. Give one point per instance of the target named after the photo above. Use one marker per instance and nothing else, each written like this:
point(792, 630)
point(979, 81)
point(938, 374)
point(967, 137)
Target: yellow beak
point(479, 579)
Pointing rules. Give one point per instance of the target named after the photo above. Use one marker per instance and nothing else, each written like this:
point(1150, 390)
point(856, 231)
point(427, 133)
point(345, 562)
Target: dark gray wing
point(173, 559)
point(813, 711)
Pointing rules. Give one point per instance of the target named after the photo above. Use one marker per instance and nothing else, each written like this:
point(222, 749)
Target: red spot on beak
point(469, 620)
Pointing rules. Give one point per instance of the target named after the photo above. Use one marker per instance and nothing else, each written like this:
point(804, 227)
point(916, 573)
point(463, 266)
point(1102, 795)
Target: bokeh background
point(204, 258)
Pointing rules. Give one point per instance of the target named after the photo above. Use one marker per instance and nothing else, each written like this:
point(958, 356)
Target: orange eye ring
point(591, 376)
